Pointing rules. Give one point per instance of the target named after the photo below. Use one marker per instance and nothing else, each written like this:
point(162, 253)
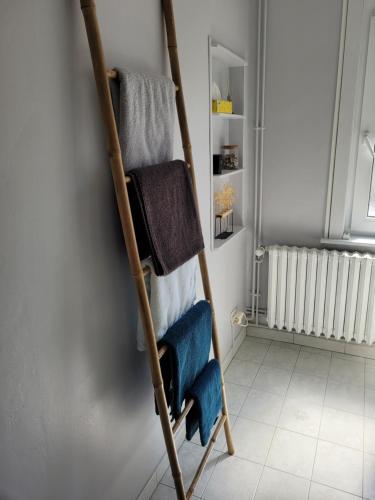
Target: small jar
point(230, 156)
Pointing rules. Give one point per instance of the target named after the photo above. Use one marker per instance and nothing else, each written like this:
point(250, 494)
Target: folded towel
point(170, 297)
point(144, 108)
point(206, 393)
point(188, 342)
point(165, 215)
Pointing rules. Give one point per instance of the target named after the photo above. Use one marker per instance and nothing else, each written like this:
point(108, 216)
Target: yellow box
point(221, 106)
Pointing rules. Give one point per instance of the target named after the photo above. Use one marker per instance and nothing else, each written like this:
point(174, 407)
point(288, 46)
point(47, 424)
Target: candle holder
point(224, 225)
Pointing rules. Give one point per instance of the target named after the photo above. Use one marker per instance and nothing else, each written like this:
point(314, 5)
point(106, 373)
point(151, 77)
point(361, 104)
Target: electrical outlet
point(238, 318)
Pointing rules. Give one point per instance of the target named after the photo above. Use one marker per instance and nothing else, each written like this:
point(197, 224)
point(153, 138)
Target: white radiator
point(322, 292)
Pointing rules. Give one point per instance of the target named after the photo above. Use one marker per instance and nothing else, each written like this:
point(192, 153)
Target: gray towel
point(165, 215)
point(144, 108)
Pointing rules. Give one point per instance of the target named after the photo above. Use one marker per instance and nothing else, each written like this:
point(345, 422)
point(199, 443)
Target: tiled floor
point(303, 424)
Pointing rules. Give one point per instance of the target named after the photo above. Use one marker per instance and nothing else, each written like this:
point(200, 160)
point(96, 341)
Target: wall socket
point(238, 318)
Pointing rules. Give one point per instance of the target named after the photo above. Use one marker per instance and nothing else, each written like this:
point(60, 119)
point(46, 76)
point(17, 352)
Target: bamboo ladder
point(102, 76)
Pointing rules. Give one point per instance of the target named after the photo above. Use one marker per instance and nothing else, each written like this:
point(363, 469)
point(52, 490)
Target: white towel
point(170, 297)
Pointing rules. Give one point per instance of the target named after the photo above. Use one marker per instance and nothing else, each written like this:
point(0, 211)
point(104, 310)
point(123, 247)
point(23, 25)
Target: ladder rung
point(162, 351)
point(188, 407)
point(129, 179)
point(146, 270)
point(205, 457)
point(112, 75)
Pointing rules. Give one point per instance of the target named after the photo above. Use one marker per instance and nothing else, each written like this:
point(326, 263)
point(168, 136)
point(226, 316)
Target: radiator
point(322, 292)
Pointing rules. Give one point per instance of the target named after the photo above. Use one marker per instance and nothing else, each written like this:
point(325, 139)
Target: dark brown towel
point(165, 215)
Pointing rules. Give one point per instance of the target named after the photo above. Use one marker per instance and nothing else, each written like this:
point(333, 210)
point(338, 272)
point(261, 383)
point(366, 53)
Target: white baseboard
point(163, 465)
point(309, 340)
point(236, 345)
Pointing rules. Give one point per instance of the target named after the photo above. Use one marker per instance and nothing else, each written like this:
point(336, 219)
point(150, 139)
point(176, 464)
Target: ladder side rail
point(186, 144)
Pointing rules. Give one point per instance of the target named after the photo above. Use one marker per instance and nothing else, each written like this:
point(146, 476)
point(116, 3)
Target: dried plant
point(224, 198)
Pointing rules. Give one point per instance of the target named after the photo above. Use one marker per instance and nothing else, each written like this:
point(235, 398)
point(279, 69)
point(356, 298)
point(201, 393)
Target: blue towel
point(206, 393)
point(189, 342)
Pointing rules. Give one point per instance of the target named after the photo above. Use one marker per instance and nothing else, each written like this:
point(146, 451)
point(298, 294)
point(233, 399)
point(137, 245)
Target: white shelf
point(227, 173)
point(228, 71)
point(228, 116)
point(236, 231)
point(228, 57)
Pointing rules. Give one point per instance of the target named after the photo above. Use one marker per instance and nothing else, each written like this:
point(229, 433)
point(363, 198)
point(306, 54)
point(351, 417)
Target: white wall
point(302, 56)
point(76, 409)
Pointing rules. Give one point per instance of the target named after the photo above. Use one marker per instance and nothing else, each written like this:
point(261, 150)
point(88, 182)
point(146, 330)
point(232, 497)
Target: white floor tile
point(339, 467)
point(291, 452)
point(284, 345)
point(319, 342)
point(307, 387)
point(347, 371)
point(370, 436)
point(280, 357)
point(189, 456)
point(262, 406)
point(252, 351)
point(314, 350)
point(272, 380)
point(342, 428)
point(370, 403)
point(369, 477)
point(321, 492)
point(301, 416)
point(261, 340)
point(241, 372)
point(370, 377)
point(344, 397)
point(233, 479)
point(348, 357)
point(252, 439)
point(277, 485)
point(313, 363)
point(261, 397)
point(236, 395)
point(163, 492)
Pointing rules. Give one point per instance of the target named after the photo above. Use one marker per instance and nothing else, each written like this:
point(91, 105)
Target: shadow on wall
point(109, 347)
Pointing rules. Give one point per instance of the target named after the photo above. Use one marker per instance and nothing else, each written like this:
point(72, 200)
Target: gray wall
point(302, 55)
point(76, 406)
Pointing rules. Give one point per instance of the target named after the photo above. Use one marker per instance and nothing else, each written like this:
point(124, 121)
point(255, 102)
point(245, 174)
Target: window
point(351, 194)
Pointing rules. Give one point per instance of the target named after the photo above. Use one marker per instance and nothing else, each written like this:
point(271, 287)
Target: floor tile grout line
point(252, 387)
point(247, 394)
point(320, 423)
point(337, 489)
point(252, 383)
point(364, 433)
point(277, 426)
point(277, 421)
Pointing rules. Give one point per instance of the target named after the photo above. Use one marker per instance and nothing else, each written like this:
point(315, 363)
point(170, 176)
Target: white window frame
point(346, 129)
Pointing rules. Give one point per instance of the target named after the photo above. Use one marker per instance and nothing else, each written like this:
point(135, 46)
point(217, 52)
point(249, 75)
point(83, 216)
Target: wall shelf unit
point(228, 72)
point(227, 116)
point(227, 173)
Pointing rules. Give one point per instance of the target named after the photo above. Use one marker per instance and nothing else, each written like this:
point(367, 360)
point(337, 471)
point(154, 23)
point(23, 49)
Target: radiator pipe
point(259, 149)
point(256, 129)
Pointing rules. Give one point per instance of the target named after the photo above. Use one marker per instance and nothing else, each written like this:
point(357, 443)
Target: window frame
point(346, 128)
